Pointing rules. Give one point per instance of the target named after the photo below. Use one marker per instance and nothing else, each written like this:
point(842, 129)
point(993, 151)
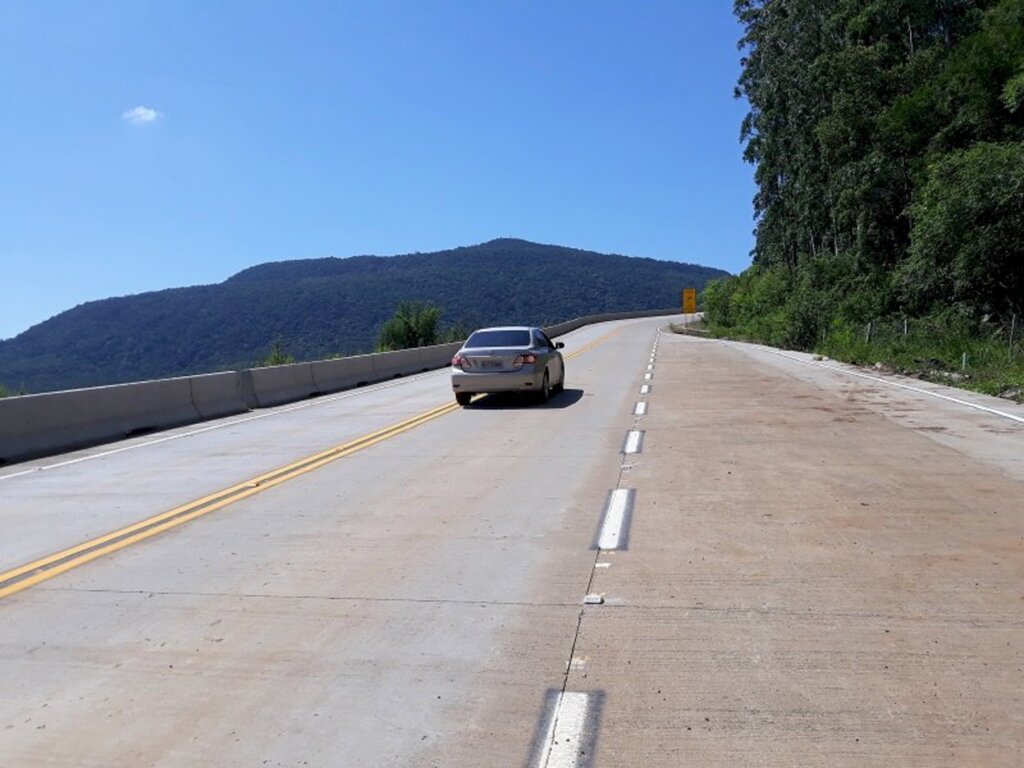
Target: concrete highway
point(701, 553)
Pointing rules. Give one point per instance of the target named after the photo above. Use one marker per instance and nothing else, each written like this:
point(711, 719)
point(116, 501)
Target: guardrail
point(38, 425)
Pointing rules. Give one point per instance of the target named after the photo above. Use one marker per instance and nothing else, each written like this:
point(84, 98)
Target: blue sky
point(149, 145)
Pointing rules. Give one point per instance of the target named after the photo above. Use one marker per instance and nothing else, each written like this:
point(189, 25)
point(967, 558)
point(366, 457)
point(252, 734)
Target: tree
point(414, 324)
point(968, 220)
point(887, 137)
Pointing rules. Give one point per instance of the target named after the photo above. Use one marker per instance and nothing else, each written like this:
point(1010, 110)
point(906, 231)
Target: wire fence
point(986, 356)
point(983, 339)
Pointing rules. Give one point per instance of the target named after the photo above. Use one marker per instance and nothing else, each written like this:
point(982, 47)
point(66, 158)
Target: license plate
point(490, 363)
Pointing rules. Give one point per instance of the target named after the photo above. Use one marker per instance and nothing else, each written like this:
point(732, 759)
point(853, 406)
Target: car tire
point(560, 386)
point(463, 398)
point(545, 389)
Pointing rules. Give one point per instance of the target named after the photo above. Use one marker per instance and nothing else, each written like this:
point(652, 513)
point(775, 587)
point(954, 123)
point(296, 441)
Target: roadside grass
point(976, 358)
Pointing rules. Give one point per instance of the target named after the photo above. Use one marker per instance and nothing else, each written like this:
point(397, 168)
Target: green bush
point(414, 324)
point(277, 355)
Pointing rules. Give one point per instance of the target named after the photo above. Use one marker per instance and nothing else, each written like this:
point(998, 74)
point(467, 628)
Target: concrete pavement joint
point(326, 598)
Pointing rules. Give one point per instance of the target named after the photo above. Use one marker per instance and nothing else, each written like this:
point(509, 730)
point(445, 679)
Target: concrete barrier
point(279, 384)
point(35, 425)
point(218, 394)
point(571, 325)
point(439, 356)
point(390, 365)
point(342, 373)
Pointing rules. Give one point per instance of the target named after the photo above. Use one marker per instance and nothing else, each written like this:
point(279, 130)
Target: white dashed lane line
point(634, 441)
point(566, 741)
point(615, 525)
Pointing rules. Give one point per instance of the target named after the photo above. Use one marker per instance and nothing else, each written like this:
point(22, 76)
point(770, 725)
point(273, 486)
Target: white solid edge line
point(641, 409)
point(633, 441)
point(614, 516)
point(562, 741)
point(919, 390)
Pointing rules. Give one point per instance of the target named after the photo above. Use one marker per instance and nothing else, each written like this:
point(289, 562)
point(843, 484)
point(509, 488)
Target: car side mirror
point(559, 345)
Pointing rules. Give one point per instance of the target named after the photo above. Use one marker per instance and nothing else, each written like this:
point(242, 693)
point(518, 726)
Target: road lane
point(363, 614)
point(810, 581)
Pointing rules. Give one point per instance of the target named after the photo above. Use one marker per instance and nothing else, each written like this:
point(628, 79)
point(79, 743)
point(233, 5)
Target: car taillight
point(460, 362)
point(524, 359)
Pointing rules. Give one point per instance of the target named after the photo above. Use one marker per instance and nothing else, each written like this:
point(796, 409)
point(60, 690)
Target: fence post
point(1013, 327)
point(904, 327)
point(963, 362)
point(867, 336)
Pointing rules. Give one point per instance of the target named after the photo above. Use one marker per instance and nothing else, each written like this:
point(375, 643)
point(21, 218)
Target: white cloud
point(140, 115)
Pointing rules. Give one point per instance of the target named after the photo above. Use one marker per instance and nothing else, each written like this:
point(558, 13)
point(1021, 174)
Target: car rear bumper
point(525, 380)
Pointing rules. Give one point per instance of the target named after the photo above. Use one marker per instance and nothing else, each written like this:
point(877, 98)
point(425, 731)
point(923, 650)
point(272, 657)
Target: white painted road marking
point(645, 389)
point(634, 440)
point(641, 409)
point(564, 736)
point(619, 504)
point(647, 376)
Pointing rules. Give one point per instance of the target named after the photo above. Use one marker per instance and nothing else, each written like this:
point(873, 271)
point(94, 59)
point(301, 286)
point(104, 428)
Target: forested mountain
point(317, 308)
point(888, 139)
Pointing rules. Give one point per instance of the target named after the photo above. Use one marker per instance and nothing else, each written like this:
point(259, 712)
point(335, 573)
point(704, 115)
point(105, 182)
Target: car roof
point(508, 328)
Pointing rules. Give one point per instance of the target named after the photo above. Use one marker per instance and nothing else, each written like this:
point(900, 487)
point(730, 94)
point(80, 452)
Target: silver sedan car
point(511, 359)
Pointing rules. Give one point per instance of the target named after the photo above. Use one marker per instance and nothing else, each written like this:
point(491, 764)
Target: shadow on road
point(503, 401)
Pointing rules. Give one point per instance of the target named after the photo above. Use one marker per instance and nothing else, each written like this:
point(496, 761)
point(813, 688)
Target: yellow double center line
point(46, 568)
point(594, 343)
point(53, 565)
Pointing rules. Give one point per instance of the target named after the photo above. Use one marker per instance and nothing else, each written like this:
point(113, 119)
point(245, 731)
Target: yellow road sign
point(689, 301)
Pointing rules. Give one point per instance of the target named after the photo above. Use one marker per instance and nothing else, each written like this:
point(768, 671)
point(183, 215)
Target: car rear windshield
point(499, 339)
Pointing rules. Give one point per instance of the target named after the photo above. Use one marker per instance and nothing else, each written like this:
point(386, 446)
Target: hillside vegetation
point(318, 308)
point(888, 140)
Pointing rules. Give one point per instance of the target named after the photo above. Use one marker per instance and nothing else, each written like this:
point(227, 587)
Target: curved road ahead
point(701, 553)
